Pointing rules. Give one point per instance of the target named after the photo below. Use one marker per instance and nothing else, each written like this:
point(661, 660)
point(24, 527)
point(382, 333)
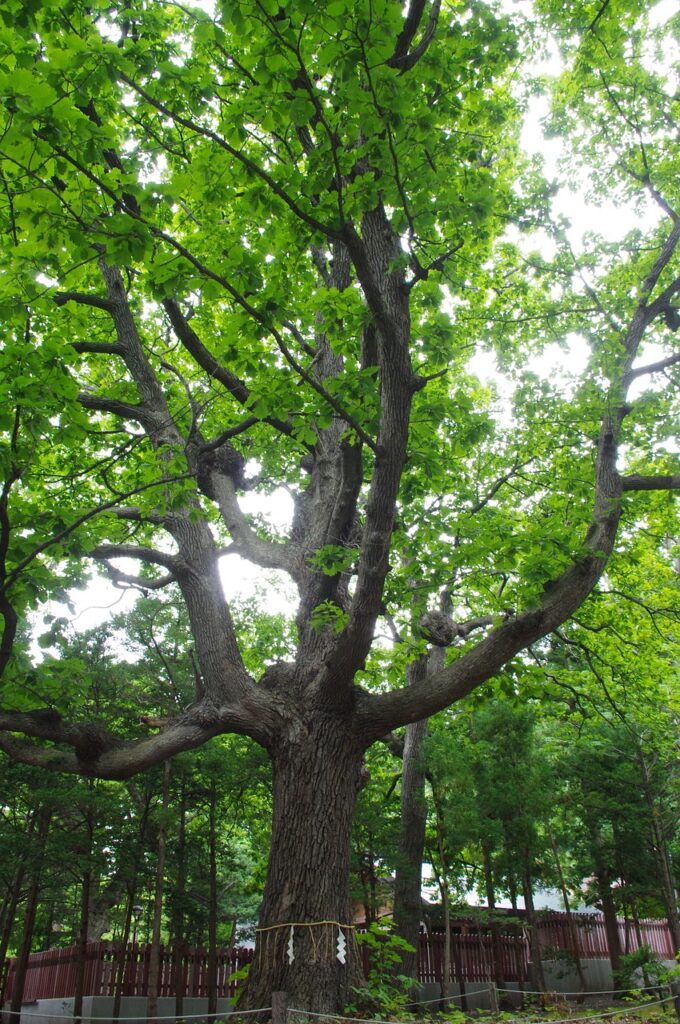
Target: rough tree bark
point(408, 909)
point(317, 774)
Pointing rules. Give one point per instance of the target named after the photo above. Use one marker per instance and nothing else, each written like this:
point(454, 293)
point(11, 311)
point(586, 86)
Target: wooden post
point(279, 1008)
point(493, 997)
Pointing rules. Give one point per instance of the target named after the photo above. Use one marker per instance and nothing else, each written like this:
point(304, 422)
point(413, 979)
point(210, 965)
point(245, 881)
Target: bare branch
point(226, 435)
point(207, 361)
point(119, 578)
point(98, 301)
point(641, 371)
point(150, 555)
point(265, 553)
point(98, 347)
point(403, 58)
point(123, 409)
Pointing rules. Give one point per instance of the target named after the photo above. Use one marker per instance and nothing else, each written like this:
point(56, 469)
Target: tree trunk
point(407, 882)
point(496, 949)
point(121, 955)
point(44, 818)
point(536, 978)
point(85, 896)
point(573, 929)
point(662, 854)
point(155, 949)
point(79, 989)
point(408, 876)
point(180, 896)
point(12, 902)
point(611, 924)
point(443, 883)
point(603, 877)
point(306, 905)
point(212, 903)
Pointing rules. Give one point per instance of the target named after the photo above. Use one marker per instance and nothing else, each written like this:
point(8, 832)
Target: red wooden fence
point(52, 974)
point(554, 932)
point(472, 958)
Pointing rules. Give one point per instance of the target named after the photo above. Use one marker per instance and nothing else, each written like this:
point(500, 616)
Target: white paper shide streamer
point(342, 947)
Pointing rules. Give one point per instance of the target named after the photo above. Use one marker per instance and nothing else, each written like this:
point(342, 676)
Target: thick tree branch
point(207, 361)
point(267, 554)
point(637, 482)
point(97, 753)
point(227, 435)
point(403, 57)
point(126, 411)
point(97, 301)
point(98, 347)
point(125, 579)
point(650, 368)
point(149, 555)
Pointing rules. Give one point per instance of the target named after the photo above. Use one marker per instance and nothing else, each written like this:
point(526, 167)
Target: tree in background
point(258, 250)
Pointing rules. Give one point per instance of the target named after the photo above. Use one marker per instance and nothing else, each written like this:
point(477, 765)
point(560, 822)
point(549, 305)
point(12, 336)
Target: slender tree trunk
point(611, 924)
point(462, 1003)
point(306, 906)
point(662, 854)
point(121, 957)
point(443, 883)
point(12, 903)
point(155, 949)
point(127, 924)
point(635, 911)
point(79, 990)
point(85, 904)
point(571, 923)
point(43, 827)
point(180, 891)
point(212, 907)
point(496, 949)
point(537, 979)
point(408, 876)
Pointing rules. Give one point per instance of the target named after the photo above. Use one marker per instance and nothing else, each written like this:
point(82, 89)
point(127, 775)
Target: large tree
point(257, 250)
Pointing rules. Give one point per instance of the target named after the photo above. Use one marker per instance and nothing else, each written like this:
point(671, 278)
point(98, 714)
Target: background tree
point(259, 248)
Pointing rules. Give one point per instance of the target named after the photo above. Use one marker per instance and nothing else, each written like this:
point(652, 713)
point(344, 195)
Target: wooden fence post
point(279, 1008)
